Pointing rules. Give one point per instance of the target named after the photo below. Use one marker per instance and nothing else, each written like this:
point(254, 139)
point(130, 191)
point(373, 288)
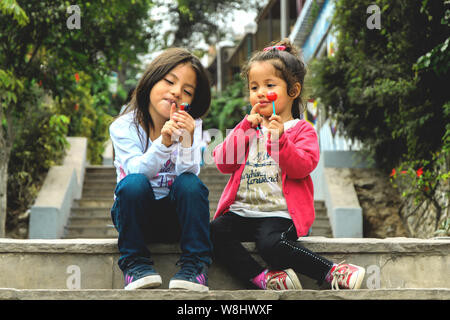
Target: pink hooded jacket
point(297, 155)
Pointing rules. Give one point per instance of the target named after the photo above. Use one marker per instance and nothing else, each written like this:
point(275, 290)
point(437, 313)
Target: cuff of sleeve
point(158, 144)
point(245, 123)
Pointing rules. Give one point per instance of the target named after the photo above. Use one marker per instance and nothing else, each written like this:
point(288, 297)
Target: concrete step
point(92, 186)
point(90, 215)
point(100, 169)
point(87, 231)
point(104, 190)
point(100, 218)
point(321, 232)
point(172, 300)
point(103, 228)
point(391, 264)
point(86, 212)
point(99, 221)
point(321, 222)
point(106, 183)
point(93, 202)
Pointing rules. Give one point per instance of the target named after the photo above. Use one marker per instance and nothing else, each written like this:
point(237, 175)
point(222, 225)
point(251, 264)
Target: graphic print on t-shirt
point(260, 188)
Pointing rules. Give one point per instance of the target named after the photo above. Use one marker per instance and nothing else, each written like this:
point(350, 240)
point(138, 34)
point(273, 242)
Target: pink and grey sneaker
point(141, 276)
point(346, 276)
point(277, 280)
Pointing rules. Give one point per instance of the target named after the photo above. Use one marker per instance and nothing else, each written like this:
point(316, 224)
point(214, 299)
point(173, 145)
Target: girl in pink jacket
point(269, 198)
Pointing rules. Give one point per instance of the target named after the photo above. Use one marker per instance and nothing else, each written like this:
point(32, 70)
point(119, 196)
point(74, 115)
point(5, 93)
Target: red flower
point(393, 172)
point(403, 172)
point(77, 77)
point(419, 172)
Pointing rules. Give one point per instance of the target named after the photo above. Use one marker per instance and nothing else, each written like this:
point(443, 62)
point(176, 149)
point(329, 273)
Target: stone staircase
point(90, 216)
point(83, 266)
point(86, 269)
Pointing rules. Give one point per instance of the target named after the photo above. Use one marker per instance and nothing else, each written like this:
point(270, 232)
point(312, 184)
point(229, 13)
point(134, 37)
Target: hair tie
point(281, 48)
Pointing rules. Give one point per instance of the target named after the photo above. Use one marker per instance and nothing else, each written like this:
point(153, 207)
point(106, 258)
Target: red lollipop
point(272, 96)
point(184, 106)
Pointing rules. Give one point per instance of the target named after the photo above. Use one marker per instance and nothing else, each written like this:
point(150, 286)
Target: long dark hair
point(155, 72)
point(289, 66)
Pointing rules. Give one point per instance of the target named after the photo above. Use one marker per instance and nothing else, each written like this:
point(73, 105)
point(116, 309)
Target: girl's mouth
point(170, 101)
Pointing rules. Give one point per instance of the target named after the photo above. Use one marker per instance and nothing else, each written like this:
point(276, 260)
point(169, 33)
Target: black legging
point(275, 240)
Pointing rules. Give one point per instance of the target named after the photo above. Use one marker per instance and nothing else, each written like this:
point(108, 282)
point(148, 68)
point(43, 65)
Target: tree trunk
point(6, 139)
point(3, 196)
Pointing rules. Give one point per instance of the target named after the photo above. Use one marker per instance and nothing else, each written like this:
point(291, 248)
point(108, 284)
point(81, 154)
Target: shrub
point(228, 107)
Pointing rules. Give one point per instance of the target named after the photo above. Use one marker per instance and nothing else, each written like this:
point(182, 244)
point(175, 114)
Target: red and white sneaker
point(282, 280)
point(346, 276)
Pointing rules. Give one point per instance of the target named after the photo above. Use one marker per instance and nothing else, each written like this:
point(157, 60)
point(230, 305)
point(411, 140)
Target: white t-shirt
point(159, 163)
point(260, 192)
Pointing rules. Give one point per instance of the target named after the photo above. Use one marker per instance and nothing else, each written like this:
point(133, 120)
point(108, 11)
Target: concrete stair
point(397, 268)
point(90, 215)
point(83, 266)
point(177, 299)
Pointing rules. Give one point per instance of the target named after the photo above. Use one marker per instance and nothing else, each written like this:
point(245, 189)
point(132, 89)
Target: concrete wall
point(63, 183)
point(332, 184)
point(108, 153)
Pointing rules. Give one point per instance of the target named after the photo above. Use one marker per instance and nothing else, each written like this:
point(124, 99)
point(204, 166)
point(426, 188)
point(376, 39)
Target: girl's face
point(262, 79)
point(176, 86)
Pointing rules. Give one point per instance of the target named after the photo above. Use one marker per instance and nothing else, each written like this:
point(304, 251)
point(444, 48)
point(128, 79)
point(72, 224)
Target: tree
point(194, 22)
point(38, 49)
point(376, 84)
point(389, 89)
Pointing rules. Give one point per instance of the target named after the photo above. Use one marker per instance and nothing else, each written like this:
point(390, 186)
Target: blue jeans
point(182, 216)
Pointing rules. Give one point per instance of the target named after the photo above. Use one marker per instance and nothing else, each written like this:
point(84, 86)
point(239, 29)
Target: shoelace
point(139, 268)
point(275, 281)
point(339, 277)
point(187, 268)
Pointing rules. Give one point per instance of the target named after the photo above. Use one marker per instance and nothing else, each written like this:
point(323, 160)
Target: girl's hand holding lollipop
point(275, 123)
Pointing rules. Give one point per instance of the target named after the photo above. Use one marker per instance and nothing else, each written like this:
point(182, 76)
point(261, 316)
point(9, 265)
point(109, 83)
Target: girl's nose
point(176, 91)
point(261, 93)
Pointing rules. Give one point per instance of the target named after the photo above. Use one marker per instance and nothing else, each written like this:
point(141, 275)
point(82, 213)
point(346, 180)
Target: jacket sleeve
point(188, 159)
point(230, 154)
point(129, 154)
point(297, 154)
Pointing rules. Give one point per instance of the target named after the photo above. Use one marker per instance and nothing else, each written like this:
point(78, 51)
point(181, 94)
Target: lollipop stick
point(273, 105)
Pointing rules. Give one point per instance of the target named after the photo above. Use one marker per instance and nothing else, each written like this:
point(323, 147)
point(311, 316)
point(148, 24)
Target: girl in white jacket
point(159, 197)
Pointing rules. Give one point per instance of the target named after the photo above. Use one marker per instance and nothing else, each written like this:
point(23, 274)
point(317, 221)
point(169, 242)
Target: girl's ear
point(295, 90)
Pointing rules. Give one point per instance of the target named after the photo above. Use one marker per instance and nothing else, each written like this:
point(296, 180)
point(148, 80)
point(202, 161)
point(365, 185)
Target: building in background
point(307, 23)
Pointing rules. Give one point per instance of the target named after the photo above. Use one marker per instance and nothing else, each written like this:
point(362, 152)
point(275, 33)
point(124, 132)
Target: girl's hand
point(185, 121)
point(255, 118)
point(170, 128)
point(275, 127)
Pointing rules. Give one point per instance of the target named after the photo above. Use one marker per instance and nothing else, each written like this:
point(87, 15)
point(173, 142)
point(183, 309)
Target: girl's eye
point(253, 88)
point(168, 81)
point(188, 93)
point(271, 85)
